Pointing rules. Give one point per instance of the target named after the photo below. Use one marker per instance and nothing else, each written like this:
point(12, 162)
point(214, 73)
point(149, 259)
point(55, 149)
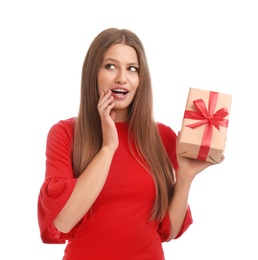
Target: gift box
point(204, 126)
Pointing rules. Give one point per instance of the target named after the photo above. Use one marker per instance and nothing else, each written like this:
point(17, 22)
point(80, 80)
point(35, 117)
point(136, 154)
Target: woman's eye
point(110, 66)
point(133, 69)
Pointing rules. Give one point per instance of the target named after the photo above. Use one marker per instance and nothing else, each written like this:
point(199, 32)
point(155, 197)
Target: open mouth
point(119, 91)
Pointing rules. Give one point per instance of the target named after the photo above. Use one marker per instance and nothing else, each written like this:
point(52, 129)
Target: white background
point(205, 44)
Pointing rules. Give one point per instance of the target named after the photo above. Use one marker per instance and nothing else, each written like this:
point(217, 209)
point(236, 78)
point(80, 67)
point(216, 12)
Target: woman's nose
point(121, 77)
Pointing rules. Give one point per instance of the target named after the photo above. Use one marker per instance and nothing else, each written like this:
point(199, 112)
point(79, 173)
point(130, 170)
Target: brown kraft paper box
point(204, 125)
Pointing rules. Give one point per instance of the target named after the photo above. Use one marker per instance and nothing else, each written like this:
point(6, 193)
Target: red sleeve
point(164, 226)
point(53, 195)
point(59, 181)
point(187, 222)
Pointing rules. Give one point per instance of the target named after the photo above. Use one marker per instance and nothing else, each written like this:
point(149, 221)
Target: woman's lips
point(119, 93)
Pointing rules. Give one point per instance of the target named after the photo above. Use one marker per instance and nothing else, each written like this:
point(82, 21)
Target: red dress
point(117, 227)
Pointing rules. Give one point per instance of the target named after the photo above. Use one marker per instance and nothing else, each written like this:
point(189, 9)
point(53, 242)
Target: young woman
point(114, 186)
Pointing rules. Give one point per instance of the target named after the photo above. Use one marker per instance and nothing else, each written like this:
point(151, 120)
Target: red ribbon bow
point(209, 118)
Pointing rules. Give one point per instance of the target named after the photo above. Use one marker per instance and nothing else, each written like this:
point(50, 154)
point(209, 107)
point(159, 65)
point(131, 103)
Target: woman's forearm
point(87, 189)
point(178, 205)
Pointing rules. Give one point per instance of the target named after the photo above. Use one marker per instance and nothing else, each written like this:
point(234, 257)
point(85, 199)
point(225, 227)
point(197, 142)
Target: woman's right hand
point(109, 131)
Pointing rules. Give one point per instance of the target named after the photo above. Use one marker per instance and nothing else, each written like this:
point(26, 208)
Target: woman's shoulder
point(168, 137)
point(63, 126)
point(165, 130)
point(67, 123)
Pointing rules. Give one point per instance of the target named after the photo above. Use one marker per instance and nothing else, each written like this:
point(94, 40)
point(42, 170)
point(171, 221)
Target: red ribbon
point(209, 118)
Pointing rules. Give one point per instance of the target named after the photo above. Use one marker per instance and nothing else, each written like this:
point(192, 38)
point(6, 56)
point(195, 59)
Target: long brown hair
point(142, 127)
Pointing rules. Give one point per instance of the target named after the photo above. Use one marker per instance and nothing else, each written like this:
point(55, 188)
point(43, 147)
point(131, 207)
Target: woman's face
point(119, 72)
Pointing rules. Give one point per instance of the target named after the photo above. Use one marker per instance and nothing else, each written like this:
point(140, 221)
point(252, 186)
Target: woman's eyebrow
point(110, 59)
point(116, 61)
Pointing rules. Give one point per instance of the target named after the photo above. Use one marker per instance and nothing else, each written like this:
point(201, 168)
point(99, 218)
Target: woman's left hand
point(191, 167)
